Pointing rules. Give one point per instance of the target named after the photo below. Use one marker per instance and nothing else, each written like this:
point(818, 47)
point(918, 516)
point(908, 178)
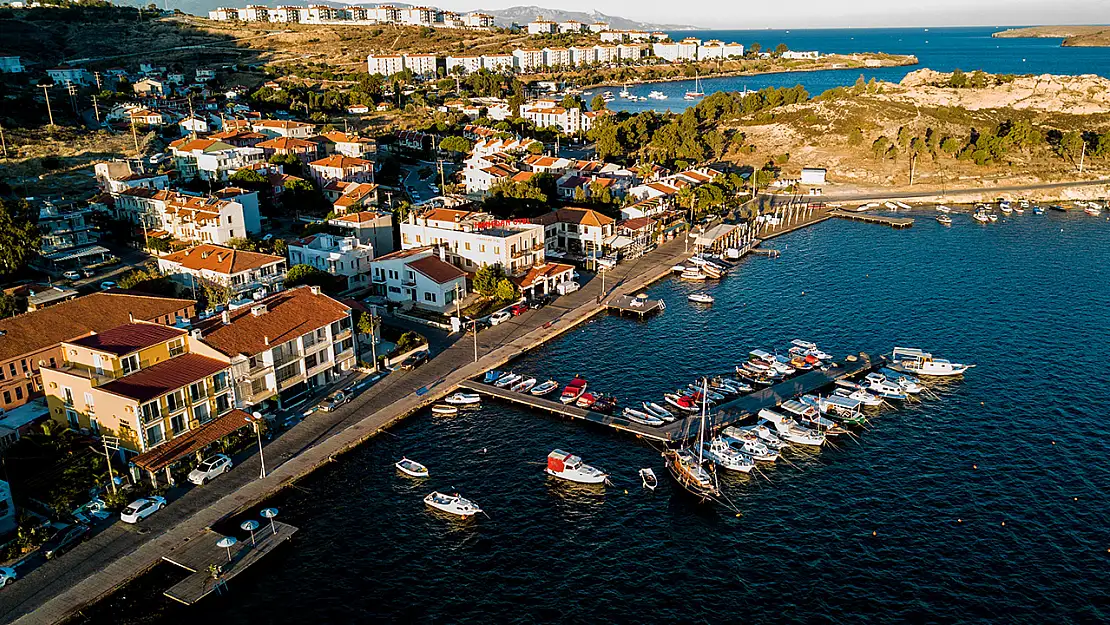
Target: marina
point(873, 218)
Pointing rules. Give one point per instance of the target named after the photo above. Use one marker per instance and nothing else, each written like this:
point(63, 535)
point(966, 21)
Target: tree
point(880, 146)
point(486, 279)
point(9, 306)
point(535, 147)
point(455, 144)
point(148, 281)
point(247, 177)
point(213, 294)
point(19, 235)
point(755, 48)
point(958, 79)
point(157, 244)
point(855, 137)
point(1071, 145)
point(506, 290)
point(780, 49)
point(307, 274)
point(950, 145)
point(597, 103)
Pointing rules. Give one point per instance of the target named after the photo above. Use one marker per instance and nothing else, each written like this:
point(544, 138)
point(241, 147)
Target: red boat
point(586, 400)
point(573, 390)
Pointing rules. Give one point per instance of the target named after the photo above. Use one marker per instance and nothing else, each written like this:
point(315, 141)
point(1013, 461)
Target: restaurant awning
point(192, 441)
point(81, 253)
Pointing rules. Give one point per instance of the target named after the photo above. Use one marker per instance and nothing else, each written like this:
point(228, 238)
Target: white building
point(386, 65)
point(478, 20)
point(547, 113)
point(799, 54)
point(576, 231)
point(339, 256)
point(247, 274)
point(470, 240)
point(466, 64)
point(209, 159)
point(418, 64)
point(418, 277)
point(685, 50)
point(606, 54)
point(632, 51)
point(10, 65)
point(528, 59)
point(283, 128)
point(582, 55)
point(255, 13)
point(571, 26)
point(599, 27)
point(813, 175)
point(498, 62)
point(67, 75)
point(556, 57)
point(115, 177)
point(542, 27)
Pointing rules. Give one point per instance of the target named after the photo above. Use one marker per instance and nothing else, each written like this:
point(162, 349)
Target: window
point(175, 401)
point(130, 364)
point(7, 397)
point(466, 246)
point(150, 411)
point(177, 347)
point(94, 425)
point(394, 289)
point(71, 417)
point(309, 362)
point(89, 400)
point(219, 381)
point(200, 413)
point(23, 363)
point(177, 424)
point(19, 394)
point(154, 435)
point(197, 391)
point(11, 368)
point(429, 296)
point(223, 403)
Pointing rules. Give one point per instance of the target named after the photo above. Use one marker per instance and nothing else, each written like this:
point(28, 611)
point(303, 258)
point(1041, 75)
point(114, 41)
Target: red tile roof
point(289, 314)
point(221, 259)
point(164, 377)
point(342, 162)
point(128, 338)
point(192, 441)
point(439, 271)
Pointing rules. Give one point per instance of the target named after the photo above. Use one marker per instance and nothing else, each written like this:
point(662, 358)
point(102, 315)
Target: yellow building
point(142, 382)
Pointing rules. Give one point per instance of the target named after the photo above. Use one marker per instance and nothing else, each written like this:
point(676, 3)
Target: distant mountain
point(522, 15)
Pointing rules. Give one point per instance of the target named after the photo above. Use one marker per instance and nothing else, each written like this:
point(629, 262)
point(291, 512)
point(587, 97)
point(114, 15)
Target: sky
point(725, 14)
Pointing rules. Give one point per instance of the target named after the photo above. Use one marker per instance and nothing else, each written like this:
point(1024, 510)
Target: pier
point(883, 220)
point(638, 306)
point(200, 554)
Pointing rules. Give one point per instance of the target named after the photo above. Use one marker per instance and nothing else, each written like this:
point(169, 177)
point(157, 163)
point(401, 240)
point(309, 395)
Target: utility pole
point(3, 143)
point(1082, 154)
point(110, 443)
point(913, 167)
point(97, 76)
point(48, 111)
point(96, 110)
point(373, 340)
point(72, 90)
point(135, 138)
point(443, 183)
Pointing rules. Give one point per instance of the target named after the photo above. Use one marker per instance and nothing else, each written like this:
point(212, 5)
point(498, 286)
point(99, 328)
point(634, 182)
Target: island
point(1073, 36)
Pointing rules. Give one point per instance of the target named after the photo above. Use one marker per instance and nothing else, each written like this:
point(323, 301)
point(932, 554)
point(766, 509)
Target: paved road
point(96, 568)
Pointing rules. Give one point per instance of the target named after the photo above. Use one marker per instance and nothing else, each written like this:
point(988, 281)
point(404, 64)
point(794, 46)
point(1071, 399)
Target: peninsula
point(1073, 36)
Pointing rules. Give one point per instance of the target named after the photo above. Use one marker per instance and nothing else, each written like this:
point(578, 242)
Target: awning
point(714, 234)
point(192, 441)
point(619, 241)
point(81, 253)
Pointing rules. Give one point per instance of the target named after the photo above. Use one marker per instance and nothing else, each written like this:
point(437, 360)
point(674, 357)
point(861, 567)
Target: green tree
point(307, 274)
point(486, 279)
point(780, 49)
point(506, 290)
point(880, 146)
point(598, 103)
point(855, 137)
point(535, 147)
point(247, 177)
point(148, 281)
point(157, 244)
point(958, 79)
point(19, 235)
point(1071, 145)
point(755, 48)
point(455, 144)
point(9, 306)
point(950, 145)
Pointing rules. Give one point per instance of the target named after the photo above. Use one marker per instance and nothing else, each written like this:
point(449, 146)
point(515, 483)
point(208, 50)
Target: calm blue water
point(940, 49)
point(898, 527)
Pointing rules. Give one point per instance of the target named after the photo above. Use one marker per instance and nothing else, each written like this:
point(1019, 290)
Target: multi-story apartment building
point(576, 231)
point(606, 54)
point(370, 227)
point(556, 57)
point(528, 59)
point(498, 62)
point(478, 20)
point(65, 229)
point(542, 27)
point(419, 64)
point(208, 219)
point(582, 55)
point(339, 167)
point(116, 176)
point(303, 149)
point(547, 113)
point(599, 27)
point(345, 257)
point(255, 13)
point(385, 64)
point(247, 274)
point(224, 14)
point(471, 240)
point(209, 159)
point(463, 64)
point(283, 346)
point(419, 16)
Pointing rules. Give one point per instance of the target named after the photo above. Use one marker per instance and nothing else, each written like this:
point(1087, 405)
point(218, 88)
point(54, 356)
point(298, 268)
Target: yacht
point(723, 455)
point(697, 92)
point(657, 95)
point(922, 363)
point(452, 504)
point(789, 430)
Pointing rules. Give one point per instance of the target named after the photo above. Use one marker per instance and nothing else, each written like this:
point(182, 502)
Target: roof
point(342, 162)
point(360, 217)
point(97, 312)
point(446, 214)
point(280, 123)
point(128, 338)
point(192, 441)
point(220, 259)
point(637, 223)
point(412, 251)
point(523, 176)
point(342, 137)
point(580, 216)
point(164, 377)
point(286, 143)
point(289, 314)
point(542, 271)
point(439, 271)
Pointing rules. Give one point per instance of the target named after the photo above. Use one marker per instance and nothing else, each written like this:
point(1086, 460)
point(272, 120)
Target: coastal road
point(94, 569)
point(866, 196)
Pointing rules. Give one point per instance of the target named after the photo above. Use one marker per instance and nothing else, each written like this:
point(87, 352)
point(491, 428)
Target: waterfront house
point(543, 279)
point(246, 274)
point(418, 277)
point(578, 232)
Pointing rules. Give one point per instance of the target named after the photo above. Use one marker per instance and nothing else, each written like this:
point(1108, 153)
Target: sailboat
point(697, 92)
point(687, 467)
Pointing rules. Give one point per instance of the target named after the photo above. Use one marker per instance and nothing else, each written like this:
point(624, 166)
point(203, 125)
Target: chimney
point(131, 316)
point(225, 316)
point(266, 340)
point(315, 289)
point(259, 309)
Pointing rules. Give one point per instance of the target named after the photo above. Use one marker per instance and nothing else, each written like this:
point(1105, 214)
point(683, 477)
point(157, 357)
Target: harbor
point(892, 221)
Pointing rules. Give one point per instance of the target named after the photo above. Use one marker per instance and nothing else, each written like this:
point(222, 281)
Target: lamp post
point(256, 421)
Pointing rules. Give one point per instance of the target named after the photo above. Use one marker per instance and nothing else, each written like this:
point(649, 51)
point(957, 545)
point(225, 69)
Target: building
point(471, 239)
point(210, 159)
point(606, 54)
point(32, 340)
point(478, 20)
point(498, 62)
point(543, 279)
point(339, 167)
point(209, 219)
point(245, 274)
point(70, 75)
point(418, 277)
point(339, 256)
point(556, 57)
point(65, 230)
point(194, 124)
point(463, 64)
point(419, 64)
point(582, 55)
point(369, 227)
point(576, 231)
point(715, 49)
point(527, 59)
point(224, 14)
point(283, 128)
point(800, 54)
point(386, 65)
point(335, 142)
point(303, 149)
point(572, 26)
point(255, 13)
point(599, 27)
point(813, 175)
point(542, 27)
point(41, 296)
point(547, 113)
point(10, 65)
point(283, 347)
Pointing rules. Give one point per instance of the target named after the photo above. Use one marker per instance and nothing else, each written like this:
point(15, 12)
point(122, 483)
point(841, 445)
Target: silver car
point(209, 469)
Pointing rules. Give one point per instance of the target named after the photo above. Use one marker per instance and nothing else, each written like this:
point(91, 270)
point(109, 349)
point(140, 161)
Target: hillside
point(1073, 36)
point(524, 14)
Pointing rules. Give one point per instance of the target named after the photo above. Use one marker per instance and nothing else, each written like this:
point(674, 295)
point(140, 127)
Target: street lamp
point(256, 421)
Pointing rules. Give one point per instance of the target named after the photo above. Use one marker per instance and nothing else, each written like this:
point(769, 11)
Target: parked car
point(7, 575)
point(142, 508)
point(71, 275)
point(414, 361)
point(209, 469)
point(335, 400)
point(567, 287)
point(63, 540)
point(107, 284)
point(518, 309)
point(498, 317)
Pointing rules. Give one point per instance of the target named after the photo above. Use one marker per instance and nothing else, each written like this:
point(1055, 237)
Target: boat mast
point(701, 426)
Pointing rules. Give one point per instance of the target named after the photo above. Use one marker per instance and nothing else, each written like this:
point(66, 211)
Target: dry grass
point(29, 152)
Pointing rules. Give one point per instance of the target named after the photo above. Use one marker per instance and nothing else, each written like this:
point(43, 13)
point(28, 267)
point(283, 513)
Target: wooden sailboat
point(687, 465)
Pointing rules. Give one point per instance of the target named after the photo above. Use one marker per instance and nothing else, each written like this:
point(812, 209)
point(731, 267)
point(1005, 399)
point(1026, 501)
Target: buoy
point(1053, 442)
point(959, 520)
point(626, 491)
point(981, 404)
point(1003, 524)
point(1075, 498)
point(874, 533)
point(974, 466)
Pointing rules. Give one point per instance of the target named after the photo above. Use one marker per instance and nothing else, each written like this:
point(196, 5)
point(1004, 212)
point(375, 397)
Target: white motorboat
point(569, 467)
point(811, 349)
point(700, 298)
point(790, 430)
point(724, 456)
point(463, 399)
point(922, 363)
point(809, 416)
point(656, 410)
point(544, 388)
point(523, 386)
point(759, 431)
point(452, 504)
point(860, 395)
point(641, 417)
point(411, 468)
point(882, 387)
point(649, 479)
point(944, 220)
point(980, 217)
point(908, 383)
point(678, 268)
point(1092, 209)
point(943, 209)
point(693, 274)
point(992, 217)
point(657, 95)
point(752, 446)
point(507, 380)
point(444, 409)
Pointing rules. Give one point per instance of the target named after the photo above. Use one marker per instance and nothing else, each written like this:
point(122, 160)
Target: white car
point(141, 509)
point(499, 316)
point(210, 469)
point(71, 275)
point(7, 575)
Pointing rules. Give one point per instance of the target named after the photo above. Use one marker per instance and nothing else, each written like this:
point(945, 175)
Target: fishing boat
point(992, 217)
point(1092, 209)
point(749, 443)
point(524, 385)
point(656, 410)
point(492, 376)
point(544, 388)
point(849, 410)
point(682, 402)
point(811, 348)
point(752, 379)
point(782, 363)
point(944, 220)
point(882, 387)
point(452, 504)
point(649, 479)
point(411, 468)
point(908, 383)
point(444, 410)
point(700, 298)
point(723, 455)
point(737, 386)
point(571, 392)
point(861, 395)
point(463, 399)
point(980, 217)
point(507, 380)
point(809, 416)
point(1038, 210)
point(921, 363)
point(585, 400)
point(569, 467)
point(605, 404)
point(697, 92)
point(790, 430)
point(1005, 207)
point(943, 209)
point(641, 417)
point(687, 468)
point(693, 274)
point(800, 363)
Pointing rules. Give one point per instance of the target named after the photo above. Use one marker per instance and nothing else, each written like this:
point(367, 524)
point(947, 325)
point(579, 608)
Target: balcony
point(376, 279)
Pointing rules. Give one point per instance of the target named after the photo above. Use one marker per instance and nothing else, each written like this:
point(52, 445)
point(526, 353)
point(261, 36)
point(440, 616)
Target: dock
point(627, 304)
point(883, 220)
point(727, 413)
point(198, 554)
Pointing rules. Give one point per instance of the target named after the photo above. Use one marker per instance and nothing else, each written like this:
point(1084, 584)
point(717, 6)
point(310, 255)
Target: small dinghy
point(643, 418)
point(678, 268)
point(444, 409)
point(463, 399)
point(649, 479)
point(523, 386)
point(452, 504)
point(656, 410)
point(544, 388)
point(700, 298)
point(492, 376)
point(411, 468)
point(508, 380)
point(693, 274)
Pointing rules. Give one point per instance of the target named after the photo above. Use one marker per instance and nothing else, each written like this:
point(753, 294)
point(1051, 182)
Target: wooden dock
point(728, 413)
point(200, 552)
point(884, 220)
point(626, 304)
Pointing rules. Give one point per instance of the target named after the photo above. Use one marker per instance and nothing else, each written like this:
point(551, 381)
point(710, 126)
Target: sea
point(939, 49)
point(986, 502)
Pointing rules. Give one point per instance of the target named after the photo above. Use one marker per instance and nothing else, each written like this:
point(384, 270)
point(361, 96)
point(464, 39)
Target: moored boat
point(649, 479)
point(693, 274)
point(585, 400)
point(641, 417)
point(411, 468)
point(444, 409)
point(944, 220)
point(544, 388)
point(790, 430)
point(569, 467)
point(573, 390)
point(508, 380)
point(452, 504)
point(922, 363)
point(700, 298)
point(523, 386)
point(723, 455)
point(682, 402)
point(463, 399)
point(656, 410)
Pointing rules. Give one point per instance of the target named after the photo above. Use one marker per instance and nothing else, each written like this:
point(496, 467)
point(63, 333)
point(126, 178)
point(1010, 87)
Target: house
point(418, 277)
point(473, 239)
point(193, 124)
point(211, 159)
point(283, 128)
point(576, 231)
point(284, 346)
point(32, 340)
point(646, 208)
point(10, 65)
point(369, 227)
point(142, 382)
point(70, 75)
point(41, 296)
point(640, 233)
point(246, 274)
point(540, 164)
point(813, 175)
point(358, 109)
point(147, 117)
point(339, 256)
point(205, 74)
point(542, 27)
point(303, 149)
point(482, 175)
point(120, 175)
point(799, 54)
point(209, 219)
point(149, 87)
point(346, 144)
point(240, 138)
point(348, 197)
point(339, 167)
point(543, 279)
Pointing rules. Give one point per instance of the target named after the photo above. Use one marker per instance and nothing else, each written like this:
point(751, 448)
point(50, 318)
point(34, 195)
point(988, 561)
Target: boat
point(649, 479)
point(656, 410)
point(692, 274)
point(713, 396)
point(463, 399)
point(444, 409)
point(908, 383)
point(641, 417)
point(1005, 207)
point(524, 385)
point(697, 92)
point(790, 430)
point(700, 298)
point(678, 268)
point(507, 380)
point(571, 392)
point(569, 467)
point(847, 409)
point(605, 404)
point(657, 95)
point(1038, 210)
point(748, 443)
point(980, 217)
point(882, 387)
point(682, 402)
point(452, 504)
point(801, 364)
point(544, 388)
point(919, 362)
point(686, 466)
point(712, 271)
point(411, 468)
point(809, 416)
point(944, 219)
point(811, 348)
point(723, 455)
point(992, 217)
point(585, 400)
point(492, 376)
point(1092, 209)
point(765, 435)
point(943, 209)
point(861, 395)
